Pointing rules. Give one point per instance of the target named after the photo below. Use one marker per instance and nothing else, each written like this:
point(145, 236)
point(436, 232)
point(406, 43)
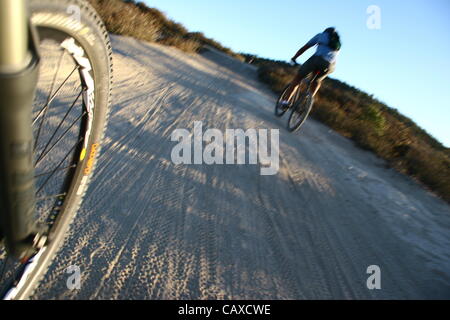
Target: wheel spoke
point(60, 169)
point(45, 109)
point(47, 105)
point(60, 138)
point(59, 165)
point(43, 153)
point(52, 87)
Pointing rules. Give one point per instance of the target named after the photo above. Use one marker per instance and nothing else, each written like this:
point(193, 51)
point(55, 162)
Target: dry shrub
point(373, 126)
point(135, 19)
point(127, 19)
point(189, 46)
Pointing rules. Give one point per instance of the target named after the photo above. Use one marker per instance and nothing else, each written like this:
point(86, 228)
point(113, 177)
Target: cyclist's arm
point(311, 43)
point(302, 50)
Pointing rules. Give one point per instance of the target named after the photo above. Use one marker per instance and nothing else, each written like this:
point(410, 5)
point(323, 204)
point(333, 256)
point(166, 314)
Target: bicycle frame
point(19, 63)
point(308, 81)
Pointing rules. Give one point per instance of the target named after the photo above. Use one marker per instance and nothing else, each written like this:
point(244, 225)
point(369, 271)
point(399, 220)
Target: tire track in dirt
point(150, 229)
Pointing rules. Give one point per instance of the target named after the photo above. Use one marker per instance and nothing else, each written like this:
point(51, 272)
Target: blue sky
point(405, 63)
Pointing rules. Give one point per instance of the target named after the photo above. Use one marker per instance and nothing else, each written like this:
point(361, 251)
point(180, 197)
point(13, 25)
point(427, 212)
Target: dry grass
point(135, 19)
point(126, 19)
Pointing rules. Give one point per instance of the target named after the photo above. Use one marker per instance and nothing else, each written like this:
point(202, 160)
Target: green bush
point(374, 116)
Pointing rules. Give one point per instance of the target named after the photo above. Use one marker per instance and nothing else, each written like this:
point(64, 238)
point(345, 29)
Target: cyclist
point(324, 60)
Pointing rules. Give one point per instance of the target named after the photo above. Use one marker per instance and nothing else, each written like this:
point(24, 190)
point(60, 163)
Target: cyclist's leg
point(291, 87)
point(304, 70)
point(315, 85)
point(325, 69)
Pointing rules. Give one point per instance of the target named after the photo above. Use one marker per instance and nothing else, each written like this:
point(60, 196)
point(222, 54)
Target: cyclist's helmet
point(334, 39)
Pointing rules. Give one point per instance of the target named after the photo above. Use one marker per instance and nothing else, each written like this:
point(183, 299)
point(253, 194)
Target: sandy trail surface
point(150, 229)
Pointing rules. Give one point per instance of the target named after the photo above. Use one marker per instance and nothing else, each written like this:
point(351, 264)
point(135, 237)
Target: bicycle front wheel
point(300, 112)
point(69, 117)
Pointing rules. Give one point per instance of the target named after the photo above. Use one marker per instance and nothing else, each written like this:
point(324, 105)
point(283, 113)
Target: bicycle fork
point(19, 63)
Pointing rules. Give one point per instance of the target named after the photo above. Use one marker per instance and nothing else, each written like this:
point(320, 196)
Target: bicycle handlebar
point(293, 63)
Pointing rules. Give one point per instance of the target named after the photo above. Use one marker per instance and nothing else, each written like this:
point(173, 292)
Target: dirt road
point(150, 229)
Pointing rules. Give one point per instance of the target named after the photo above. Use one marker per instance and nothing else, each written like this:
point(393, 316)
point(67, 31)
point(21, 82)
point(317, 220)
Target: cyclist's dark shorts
point(316, 63)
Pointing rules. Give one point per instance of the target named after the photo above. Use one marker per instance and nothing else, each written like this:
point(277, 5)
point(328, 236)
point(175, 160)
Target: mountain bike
point(300, 103)
point(55, 82)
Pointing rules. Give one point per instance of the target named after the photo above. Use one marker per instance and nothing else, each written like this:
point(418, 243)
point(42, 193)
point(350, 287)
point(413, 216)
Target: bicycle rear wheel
point(70, 113)
point(300, 112)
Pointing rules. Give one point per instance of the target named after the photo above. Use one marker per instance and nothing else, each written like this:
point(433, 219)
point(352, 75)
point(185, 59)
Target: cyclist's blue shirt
point(323, 50)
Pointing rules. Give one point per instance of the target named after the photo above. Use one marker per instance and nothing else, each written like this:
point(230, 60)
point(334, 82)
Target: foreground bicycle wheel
point(70, 113)
point(300, 112)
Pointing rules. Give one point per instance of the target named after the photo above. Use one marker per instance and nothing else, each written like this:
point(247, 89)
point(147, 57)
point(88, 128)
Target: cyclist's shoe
point(284, 104)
